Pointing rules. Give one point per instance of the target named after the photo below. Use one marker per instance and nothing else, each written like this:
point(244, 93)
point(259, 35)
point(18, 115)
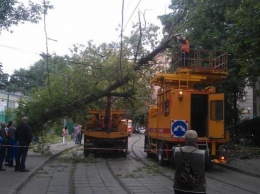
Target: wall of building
point(245, 104)
point(9, 101)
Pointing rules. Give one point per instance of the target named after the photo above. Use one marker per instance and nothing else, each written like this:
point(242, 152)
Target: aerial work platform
point(202, 66)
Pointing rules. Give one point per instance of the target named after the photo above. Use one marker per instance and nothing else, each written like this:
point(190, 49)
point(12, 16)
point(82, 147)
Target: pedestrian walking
point(23, 135)
point(78, 135)
point(12, 143)
point(82, 133)
point(7, 146)
point(190, 166)
point(65, 133)
point(3, 145)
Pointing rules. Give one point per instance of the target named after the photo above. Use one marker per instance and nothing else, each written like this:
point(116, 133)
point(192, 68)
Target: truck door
point(216, 116)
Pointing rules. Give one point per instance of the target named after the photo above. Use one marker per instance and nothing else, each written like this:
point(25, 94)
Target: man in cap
point(197, 163)
point(23, 135)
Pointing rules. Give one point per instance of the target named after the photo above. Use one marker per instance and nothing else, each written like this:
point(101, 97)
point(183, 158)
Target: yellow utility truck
point(187, 99)
point(106, 131)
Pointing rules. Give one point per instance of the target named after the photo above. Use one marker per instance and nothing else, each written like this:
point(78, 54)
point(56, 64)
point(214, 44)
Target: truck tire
point(161, 154)
point(147, 147)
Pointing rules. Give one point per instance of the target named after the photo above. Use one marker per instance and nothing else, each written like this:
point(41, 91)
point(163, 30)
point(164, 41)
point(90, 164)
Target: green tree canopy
point(13, 12)
point(231, 26)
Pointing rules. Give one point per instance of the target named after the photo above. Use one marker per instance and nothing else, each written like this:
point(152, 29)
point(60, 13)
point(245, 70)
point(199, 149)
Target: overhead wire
point(121, 43)
point(46, 36)
point(132, 14)
point(19, 49)
point(129, 18)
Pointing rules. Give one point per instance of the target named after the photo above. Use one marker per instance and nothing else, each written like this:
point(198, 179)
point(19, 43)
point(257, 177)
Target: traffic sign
point(179, 127)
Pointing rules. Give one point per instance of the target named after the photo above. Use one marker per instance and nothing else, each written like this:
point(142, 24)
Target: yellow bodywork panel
point(95, 126)
point(216, 116)
point(187, 78)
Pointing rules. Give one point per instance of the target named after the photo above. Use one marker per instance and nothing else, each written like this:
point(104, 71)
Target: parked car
point(141, 130)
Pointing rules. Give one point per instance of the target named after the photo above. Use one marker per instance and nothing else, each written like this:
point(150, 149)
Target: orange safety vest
point(185, 47)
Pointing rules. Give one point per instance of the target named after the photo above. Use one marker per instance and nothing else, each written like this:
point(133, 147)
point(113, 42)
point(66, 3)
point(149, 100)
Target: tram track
point(76, 174)
point(211, 175)
point(236, 185)
point(139, 159)
point(121, 183)
point(46, 178)
point(136, 153)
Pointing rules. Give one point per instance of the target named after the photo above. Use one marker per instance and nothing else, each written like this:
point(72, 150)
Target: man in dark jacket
point(198, 160)
point(3, 146)
point(23, 135)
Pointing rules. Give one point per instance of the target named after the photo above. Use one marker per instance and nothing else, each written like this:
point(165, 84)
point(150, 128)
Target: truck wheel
point(160, 153)
point(147, 147)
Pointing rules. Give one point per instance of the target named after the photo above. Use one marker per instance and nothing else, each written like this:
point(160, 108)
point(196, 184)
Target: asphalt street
point(11, 182)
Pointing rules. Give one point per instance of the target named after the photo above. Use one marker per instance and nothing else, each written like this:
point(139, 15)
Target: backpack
point(186, 176)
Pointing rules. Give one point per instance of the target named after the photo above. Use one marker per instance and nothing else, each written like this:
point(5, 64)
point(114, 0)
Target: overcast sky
point(71, 22)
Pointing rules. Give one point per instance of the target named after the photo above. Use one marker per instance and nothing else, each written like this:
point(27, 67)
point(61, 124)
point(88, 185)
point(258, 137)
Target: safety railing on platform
point(201, 58)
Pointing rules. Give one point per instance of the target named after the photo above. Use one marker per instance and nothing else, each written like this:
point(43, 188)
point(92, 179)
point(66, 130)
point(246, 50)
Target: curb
point(20, 184)
point(240, 170)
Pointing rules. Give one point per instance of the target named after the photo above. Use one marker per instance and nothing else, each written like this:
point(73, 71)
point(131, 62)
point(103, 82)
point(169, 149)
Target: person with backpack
point(190, 163)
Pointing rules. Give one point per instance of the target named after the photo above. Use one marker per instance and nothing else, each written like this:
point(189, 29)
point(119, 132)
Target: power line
point(130, 18)
point(132, 14)
point(19, 49)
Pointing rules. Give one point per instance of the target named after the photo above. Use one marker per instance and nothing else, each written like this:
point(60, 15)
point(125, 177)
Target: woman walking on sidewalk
point(65, 133)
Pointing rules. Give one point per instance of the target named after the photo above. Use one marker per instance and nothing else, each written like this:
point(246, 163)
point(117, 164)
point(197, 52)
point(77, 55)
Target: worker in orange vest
point(185, 49)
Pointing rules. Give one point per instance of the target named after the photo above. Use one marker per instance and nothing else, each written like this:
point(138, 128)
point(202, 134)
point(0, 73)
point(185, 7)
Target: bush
point(250, 129)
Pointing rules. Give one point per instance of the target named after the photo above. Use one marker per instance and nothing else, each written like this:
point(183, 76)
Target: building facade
point(249, 104)
point(8, 102)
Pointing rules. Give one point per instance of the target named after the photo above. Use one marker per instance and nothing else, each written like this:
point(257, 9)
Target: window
point(216, 110)
point(166, 108)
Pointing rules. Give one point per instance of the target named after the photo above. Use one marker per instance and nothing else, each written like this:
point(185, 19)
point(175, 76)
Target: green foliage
point(75, 84)
point(231, 26)
point(13, 12)
point(80, 81)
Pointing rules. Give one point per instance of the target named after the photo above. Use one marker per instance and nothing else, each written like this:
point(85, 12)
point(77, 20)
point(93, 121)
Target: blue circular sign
point(179, 128)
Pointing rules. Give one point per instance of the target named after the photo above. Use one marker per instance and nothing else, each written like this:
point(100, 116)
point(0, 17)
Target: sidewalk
point(11, 181)
point(246, 166)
